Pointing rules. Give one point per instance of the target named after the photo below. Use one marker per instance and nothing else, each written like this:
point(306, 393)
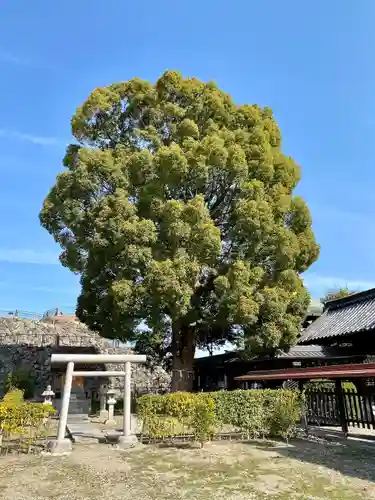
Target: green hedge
point(254, 413)
point(22, 419)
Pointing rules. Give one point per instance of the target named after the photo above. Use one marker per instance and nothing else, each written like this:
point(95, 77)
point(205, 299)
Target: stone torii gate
point(62, 445)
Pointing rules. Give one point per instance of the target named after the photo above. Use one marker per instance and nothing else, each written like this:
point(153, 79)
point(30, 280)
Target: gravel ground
point(222, 470)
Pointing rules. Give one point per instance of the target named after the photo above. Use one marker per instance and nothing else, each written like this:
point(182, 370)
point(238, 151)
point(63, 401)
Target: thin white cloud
point(34, 139)
point(72, 291)
point(323, 284)
point(11, 59)
point(8, 57)
point(48, 289)
point(333, 213)
point(28, 256)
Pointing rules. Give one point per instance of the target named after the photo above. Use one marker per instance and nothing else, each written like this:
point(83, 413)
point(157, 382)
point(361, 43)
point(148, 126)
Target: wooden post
point(341, 405)
point(304, 416)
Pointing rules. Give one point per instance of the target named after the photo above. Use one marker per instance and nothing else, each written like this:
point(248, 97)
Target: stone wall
point(29, 344)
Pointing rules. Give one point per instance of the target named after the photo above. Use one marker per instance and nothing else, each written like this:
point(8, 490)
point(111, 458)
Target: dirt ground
point(222, 470)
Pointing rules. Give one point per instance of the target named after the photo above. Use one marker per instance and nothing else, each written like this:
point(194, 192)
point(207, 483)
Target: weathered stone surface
point(127, 442)
point(59, 448)
point(85, 432)
point(78, 404)
point(29, 344)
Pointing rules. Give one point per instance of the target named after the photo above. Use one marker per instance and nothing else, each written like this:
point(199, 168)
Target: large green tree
point(177, 210)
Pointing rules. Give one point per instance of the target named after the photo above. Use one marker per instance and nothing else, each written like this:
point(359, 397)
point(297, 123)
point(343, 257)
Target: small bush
point(19, 417)
point(286, 414)
point(349, 386)
point(203, 418)
point(177, 413)
point(254, 413)
point(162, 427)
point(180, 405)
point(243, 410)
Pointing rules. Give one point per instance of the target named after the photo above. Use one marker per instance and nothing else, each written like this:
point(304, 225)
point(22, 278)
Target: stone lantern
point(111, 401)
point(48, 394)
point(103, 412)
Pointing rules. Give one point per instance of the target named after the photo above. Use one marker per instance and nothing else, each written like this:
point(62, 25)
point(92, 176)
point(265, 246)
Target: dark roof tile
point(352, 314)
point(314, 352)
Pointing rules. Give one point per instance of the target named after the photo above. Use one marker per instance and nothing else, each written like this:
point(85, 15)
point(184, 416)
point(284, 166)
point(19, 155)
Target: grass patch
point(221, 470)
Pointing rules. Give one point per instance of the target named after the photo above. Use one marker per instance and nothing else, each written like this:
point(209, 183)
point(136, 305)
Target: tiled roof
point(352, 314)
point(296, 352)
point(314, 352)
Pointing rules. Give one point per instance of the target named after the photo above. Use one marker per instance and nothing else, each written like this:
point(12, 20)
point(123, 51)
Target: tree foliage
point(156, 346)
point(21, 379)
point(177, 210)
point(336, 294)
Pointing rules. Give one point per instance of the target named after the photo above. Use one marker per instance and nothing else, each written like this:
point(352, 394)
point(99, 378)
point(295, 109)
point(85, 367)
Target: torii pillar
point(62, 445)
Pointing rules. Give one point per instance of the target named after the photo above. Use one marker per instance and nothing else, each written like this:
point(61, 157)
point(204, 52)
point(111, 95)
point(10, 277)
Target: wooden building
point(343, 332)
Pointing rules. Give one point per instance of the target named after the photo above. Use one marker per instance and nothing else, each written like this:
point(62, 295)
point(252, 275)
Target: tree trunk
point(183, 350)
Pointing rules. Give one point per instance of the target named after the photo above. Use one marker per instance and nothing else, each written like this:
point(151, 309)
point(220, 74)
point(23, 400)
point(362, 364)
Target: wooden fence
point(322, 407)
point(329, 407)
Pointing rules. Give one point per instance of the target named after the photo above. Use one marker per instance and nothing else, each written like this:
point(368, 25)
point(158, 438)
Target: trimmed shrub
point(202, 419)
point(286, 413)
point(176, 414)
point(254, 413)
point(244, 411)
point(18, 417)
point(162, 427)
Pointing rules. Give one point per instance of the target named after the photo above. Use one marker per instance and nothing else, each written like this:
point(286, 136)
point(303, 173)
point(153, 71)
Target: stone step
point(78, 410)
point(87, 440)
point(85, 432)
point(78, 418)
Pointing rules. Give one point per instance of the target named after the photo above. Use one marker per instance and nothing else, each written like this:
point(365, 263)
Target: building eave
point(322, 372)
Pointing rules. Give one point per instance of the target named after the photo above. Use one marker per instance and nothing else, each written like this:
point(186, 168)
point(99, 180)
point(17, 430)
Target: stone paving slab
point(85, 431)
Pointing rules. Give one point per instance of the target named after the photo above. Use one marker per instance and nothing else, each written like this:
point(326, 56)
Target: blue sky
point(312, 62)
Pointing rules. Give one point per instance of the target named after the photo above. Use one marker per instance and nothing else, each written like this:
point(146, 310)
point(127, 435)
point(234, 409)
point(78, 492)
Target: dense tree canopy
point(177, 210)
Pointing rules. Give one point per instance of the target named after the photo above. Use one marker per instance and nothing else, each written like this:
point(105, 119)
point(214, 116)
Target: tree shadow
point(177, 445)
point(351, 458)
point(263, 444)
point(334, 434)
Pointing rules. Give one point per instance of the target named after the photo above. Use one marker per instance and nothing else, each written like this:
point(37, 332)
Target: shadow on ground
point(351, 458)
point(177, 446)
